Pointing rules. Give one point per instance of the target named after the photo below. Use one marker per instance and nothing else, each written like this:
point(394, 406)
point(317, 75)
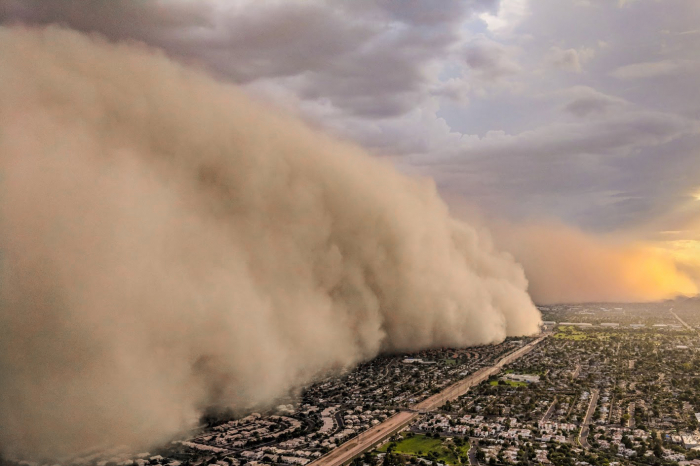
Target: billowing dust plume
point(169, 245)
point(567, 265)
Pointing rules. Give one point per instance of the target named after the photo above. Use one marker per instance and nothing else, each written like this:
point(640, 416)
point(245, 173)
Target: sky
point(582, 114)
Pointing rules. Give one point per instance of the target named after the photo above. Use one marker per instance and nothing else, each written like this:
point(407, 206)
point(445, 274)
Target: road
point(577, 371)
point(630, 411)
point(366, 440)
point(376, 434)
point(680, 320)
point(612, 410)
point(549, 412)
point(340, 424)
point(583, 436)
point(473, 444)
point(460, 388)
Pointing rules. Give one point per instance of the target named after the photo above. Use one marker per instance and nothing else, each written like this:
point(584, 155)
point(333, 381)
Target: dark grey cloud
point(241, 42)
point(616, 135)
point(368, 58)
point(612, 144)
point(489, 60)
point(603, 173)
point(426, 13)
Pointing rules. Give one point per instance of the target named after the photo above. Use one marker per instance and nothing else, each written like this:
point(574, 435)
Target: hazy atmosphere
point(212, 204)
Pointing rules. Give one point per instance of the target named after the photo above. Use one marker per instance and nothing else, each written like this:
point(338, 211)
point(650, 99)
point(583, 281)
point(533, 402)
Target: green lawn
point(450, 362)
point(570, 333)
point(422, 446)
point(570, 336)
point(512, 383)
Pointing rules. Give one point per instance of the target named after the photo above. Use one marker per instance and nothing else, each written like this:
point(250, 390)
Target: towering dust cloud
point(168, 245)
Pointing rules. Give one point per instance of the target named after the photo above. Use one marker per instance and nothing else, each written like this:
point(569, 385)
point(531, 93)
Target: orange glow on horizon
point(656, 274)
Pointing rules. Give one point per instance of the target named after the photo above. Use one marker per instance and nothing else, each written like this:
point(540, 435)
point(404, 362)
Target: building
point(690, 441)
point(522, 378)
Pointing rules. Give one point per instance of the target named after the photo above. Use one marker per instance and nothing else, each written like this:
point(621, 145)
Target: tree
point(626, 441)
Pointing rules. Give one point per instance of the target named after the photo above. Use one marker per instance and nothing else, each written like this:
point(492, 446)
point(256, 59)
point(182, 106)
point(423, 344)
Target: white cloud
point(510, 14)
point(649, 69)
point(569, 59)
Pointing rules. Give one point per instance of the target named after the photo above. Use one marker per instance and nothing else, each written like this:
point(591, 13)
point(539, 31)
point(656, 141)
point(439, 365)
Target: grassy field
point(450, 362)
point(570, 333)
point(569, 336)
point(422, 446)
point(512, 383)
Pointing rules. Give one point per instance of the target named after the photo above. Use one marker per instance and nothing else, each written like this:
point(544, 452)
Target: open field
point(512, 383)
point(426, 447)
point(570, 333)
point(569, 336)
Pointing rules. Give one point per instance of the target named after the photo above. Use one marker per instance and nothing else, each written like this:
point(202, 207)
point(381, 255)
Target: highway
point(370, 438)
